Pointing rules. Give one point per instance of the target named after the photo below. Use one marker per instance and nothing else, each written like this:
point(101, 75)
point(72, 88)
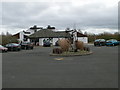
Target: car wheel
point(19, 49)
point(11, 49)
point(3, 51)
point(16, 49)
point(25, 48)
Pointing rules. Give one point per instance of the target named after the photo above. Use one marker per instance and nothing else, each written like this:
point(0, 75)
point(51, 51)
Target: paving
point(37, 69)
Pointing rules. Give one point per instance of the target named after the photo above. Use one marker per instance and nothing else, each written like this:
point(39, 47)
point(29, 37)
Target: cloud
point(96, 14)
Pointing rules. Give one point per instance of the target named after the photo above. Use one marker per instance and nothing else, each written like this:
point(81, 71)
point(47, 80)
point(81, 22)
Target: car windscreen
point(12, 44)
point(15, 44)
point(112, 40)
point(102, 39)
point(9, 45)
point(97, 40)
point(25, 43)
point(1, 46)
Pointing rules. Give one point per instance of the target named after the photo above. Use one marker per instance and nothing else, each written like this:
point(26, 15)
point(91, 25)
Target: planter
point(66, 54)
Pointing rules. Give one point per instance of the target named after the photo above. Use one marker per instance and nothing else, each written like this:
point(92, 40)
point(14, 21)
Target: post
point(74, 40)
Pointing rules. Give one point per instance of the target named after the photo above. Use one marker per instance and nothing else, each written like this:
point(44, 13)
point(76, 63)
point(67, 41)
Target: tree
point(116, 33)
point(2, 33)
point(49, 27)
point(67, 29)
point(85, 33)
point(5, 39)
point(8, 34)
point(79, 30)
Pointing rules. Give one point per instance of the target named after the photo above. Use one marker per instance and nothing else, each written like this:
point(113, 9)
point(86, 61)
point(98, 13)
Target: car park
point(3, 49)
point(19, 69)
point(13, 47)
point(27, 45)
point(112, 42)
point(100, 42)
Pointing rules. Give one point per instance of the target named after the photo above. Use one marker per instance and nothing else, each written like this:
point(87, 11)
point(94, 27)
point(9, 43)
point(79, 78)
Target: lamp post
point(74, 40)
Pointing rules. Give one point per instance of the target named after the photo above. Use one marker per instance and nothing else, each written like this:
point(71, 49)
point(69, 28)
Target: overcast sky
point(94, 16)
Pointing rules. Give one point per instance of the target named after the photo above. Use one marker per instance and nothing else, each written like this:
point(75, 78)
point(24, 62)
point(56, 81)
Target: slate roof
point(81, 35)
point(46, 33)
point(17, 35)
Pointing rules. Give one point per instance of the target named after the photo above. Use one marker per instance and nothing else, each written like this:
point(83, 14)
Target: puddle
point(58, 58)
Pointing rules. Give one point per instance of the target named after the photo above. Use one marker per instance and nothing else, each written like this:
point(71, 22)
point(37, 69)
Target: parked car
point(13, 47)
point(99, 42)
point(112, 42)
point(3, 49)
point(27, 45)
point(47, 43)
point(56, 43)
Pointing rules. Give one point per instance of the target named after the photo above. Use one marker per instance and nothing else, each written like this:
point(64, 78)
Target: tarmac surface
point(37, 69)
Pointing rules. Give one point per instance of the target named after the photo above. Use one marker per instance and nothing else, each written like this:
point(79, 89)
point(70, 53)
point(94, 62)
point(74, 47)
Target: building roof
point(81, 35)
point(46, 33)
point(17, 35)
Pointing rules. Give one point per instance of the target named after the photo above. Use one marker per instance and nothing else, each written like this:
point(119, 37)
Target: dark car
point(99, 42)
point(56, 43)
point(3, 49)
point(46, 43)
point(27, 45)
point(13, 47)
point(112, 42)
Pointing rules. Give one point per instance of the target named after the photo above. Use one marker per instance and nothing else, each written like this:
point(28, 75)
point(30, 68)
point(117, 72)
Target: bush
point(79, 45)
point(86, 49)
point(104, 35)
point(57, 51)
point(5, 39)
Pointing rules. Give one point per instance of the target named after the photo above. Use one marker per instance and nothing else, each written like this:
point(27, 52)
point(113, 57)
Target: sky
point(93, 16)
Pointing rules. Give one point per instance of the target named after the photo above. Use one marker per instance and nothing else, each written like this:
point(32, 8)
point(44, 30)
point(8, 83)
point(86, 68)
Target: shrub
point(86, 49)
point(79, 45)
point(57, 50)
point(64, 44)
point(5, 39)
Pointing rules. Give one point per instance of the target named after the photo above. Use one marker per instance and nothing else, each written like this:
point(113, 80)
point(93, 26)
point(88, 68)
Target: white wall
point(61, 38)
point(83, 39)
point(54, 40)
point(21, 36)
point(41, 41)
point(28, 40)
point(29, 30)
